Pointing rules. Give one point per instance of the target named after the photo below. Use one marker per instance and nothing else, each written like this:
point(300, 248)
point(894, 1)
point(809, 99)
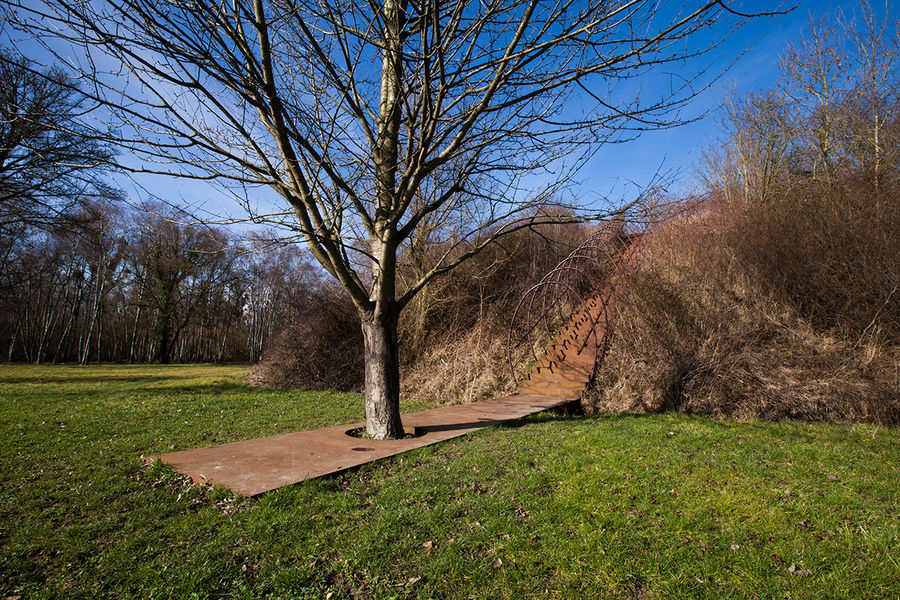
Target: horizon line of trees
point(122, 284)
point(87, 277)
point(833, 114)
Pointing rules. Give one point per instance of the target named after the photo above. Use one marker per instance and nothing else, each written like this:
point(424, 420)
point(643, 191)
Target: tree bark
point(137, 316)
point(382, 376)
point(379, 323)
point(164, 342)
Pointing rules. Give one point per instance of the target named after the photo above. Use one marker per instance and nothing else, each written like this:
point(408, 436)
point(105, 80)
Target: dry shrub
point(453, 336)
point(762, 312)
point(833, 252)
point(466, 367)
point(483, 291)
point(323, 350)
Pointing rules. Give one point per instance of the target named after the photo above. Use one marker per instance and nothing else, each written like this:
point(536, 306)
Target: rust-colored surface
point(569, 364)
point(252, 467)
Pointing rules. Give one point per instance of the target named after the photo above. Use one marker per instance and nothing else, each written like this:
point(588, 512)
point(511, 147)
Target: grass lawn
point(666, 506)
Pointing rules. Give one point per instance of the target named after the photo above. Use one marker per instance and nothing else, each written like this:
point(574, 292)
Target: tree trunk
point(137, 316)
point(380, 325)
point(164, 343)
point(382, 377)
point(12, 341)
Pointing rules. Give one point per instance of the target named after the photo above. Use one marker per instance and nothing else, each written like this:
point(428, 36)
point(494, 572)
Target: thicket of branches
point(780, 298)
point(51, 164)
point(453, 335)
point(833, 114)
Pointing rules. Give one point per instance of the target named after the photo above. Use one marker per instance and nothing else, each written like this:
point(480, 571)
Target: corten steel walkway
point(560, 378)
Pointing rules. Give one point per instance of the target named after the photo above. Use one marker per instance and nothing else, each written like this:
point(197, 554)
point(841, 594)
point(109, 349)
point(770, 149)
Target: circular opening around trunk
point(408, 433)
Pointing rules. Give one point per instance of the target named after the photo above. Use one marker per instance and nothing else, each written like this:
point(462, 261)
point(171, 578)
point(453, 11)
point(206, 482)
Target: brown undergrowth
point(452, 335)
point(322, 350)
point(789, 310)
point(465, 367)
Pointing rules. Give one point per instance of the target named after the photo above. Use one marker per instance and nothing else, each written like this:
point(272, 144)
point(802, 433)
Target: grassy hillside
point(656, 506)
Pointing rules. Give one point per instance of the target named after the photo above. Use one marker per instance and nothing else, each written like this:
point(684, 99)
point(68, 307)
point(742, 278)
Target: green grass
point(666, 506)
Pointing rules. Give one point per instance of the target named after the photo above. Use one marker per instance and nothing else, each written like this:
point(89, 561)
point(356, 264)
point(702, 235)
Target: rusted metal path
point(252, 467)
point(560, 378)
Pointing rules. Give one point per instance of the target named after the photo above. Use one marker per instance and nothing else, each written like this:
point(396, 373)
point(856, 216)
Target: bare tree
point(872, 106)
point(813, 77)
point(836, 113)
point(347, 109)
point(278, 281)
point(757, 150)
point(762, 130)
point(103, 250)
point(181, 267)
point(49, 160)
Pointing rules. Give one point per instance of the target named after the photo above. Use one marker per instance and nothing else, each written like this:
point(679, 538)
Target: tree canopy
point(50, 162)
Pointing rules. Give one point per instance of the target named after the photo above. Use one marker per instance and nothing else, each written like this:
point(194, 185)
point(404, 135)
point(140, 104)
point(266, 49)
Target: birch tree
point(872, 106)
point(813, 77)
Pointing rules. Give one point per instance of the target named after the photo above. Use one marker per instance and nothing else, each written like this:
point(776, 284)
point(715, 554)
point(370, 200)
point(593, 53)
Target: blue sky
point(763, 41)
point(621, 169)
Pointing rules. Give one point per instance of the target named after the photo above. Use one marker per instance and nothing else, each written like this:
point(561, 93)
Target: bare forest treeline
point(113, 283)
point(833, 115)
point(87, 277)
